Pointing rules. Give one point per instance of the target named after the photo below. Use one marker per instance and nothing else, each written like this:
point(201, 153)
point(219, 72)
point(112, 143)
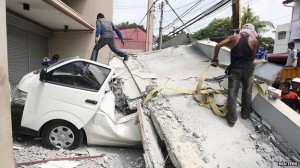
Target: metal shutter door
point(38, 47)
point(18, 56)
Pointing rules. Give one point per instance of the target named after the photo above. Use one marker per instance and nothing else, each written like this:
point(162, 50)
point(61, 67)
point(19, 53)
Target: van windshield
point(79, 74)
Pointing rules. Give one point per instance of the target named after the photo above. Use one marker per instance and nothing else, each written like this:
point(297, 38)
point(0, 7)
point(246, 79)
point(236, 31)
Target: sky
point(134, 11)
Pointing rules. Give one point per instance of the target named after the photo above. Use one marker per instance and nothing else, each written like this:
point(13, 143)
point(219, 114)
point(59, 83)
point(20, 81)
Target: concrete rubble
point(31, 150)
point(194, 135)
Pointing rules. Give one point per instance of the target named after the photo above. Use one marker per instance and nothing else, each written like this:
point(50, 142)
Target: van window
point(79, 75)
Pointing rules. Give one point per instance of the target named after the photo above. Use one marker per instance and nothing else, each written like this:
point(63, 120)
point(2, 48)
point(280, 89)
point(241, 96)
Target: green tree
point(127, 24)
point(222, 28)
point(215, 29)
point(268, 40)
point(249, 17)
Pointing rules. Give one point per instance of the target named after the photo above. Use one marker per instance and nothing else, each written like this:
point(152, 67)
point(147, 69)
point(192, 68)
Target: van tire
point(67, 134)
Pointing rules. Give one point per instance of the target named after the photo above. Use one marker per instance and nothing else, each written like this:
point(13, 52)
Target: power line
point(176, 14)
point(143, 18)
point(200, 16)
point(184, 13)
point(181, 6)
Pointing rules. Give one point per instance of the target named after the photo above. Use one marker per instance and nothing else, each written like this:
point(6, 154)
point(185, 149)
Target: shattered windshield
point(79, 74)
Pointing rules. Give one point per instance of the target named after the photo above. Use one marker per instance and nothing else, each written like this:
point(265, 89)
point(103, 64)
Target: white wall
point(295, 25)
point(280, 46)
point(6, 154)
point(81, 43)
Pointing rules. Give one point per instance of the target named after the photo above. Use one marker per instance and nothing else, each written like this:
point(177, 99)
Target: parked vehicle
point(68, 101)
point(280, 58)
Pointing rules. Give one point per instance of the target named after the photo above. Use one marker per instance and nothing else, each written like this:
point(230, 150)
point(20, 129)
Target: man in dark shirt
point(241, 69)
point(105, 36)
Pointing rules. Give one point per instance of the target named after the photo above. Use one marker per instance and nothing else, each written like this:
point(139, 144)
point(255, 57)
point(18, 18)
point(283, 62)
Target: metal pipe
point(58, 159)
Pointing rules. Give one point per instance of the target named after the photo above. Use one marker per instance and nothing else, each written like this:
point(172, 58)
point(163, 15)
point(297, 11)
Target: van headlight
point(19, 97)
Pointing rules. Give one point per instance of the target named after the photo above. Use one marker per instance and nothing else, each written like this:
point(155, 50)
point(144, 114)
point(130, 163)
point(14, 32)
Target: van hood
point(22, 84)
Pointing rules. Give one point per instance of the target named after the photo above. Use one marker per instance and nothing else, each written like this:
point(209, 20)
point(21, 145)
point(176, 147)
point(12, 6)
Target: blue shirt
point(47, 63)
point(260, 54)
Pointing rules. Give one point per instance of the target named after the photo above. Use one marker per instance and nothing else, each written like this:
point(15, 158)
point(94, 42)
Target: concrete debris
point(114, 157)
point(60, 164)
point(205, 159)
point(17, 147)
point(270, 144)
point(196, 126)
point(217, 79)
point(196, 135)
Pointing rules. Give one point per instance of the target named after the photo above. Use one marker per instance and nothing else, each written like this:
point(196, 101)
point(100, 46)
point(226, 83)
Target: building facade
point(134, 38)
point(282, 38)
point(39, 28)
point(295, 22)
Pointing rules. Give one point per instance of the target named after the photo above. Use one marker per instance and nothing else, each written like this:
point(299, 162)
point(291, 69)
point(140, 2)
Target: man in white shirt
point(292, 57)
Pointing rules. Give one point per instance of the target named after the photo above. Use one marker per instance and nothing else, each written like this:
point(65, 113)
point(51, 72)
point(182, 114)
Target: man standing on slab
point(241, 70)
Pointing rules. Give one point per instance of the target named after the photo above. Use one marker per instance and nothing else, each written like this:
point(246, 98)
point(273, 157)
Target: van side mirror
point(43, 75)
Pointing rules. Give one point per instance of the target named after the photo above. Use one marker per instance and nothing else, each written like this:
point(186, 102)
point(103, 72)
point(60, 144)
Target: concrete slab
point(207, 48)
point(182, 122)
point(282, 118)
point(153, 155)
point(180, 39)
point(141, 76)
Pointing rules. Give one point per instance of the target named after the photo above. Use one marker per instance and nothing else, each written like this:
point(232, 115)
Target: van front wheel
point(61, 134)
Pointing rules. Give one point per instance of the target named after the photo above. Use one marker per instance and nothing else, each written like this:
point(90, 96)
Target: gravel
point(30, 149)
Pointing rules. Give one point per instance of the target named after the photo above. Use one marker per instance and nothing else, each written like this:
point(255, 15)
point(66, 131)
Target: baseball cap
point(297, 80)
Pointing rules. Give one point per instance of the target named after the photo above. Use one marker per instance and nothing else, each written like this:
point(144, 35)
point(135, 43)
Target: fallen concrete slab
point(207, 48)
point(153, 155)
point(282, 118)
point(183, 124)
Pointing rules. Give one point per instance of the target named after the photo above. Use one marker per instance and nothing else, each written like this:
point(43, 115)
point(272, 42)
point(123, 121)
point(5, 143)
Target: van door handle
point(91, 101)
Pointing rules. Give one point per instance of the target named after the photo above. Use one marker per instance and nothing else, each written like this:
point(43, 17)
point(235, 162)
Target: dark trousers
point(106, 41)
point(235, 78)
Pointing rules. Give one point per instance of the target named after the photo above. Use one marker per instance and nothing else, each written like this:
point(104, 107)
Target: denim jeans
point(235, 78)
point(111, 43)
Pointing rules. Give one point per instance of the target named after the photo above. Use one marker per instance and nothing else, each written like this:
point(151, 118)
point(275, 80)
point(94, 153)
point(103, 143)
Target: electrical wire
point(176, 14)
point(184, 14)
point(143, 18)
point(202, 15)
point(182, 6)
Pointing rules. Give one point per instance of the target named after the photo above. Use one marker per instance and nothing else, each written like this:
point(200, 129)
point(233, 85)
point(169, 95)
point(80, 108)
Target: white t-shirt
point(292, 55)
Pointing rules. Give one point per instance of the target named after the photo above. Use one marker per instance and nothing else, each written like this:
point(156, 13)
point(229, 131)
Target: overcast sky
point(135, 10)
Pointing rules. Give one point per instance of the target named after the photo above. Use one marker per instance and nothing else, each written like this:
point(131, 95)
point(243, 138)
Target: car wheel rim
point(61, 137)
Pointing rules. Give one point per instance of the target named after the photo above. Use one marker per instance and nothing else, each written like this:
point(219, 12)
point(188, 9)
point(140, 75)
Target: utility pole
point(236, 23)
point(6, 144)
point(149, 38)
point(160, 24)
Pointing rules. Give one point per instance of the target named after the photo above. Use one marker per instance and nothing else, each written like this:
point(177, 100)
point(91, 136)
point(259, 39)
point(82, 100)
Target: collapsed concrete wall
point(194, 135)
point(212, 139)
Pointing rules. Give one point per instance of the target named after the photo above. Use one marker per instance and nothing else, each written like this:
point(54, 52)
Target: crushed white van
point(71, 100)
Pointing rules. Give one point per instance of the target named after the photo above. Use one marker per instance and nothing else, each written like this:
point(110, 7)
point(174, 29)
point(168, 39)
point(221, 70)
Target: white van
point(69, 101)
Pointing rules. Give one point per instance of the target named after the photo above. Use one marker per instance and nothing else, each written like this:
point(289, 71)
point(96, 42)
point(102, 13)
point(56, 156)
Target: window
point(281, 35)
point(79, 75)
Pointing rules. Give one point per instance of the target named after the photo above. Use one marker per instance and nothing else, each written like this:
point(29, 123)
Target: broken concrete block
point(282, 118)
